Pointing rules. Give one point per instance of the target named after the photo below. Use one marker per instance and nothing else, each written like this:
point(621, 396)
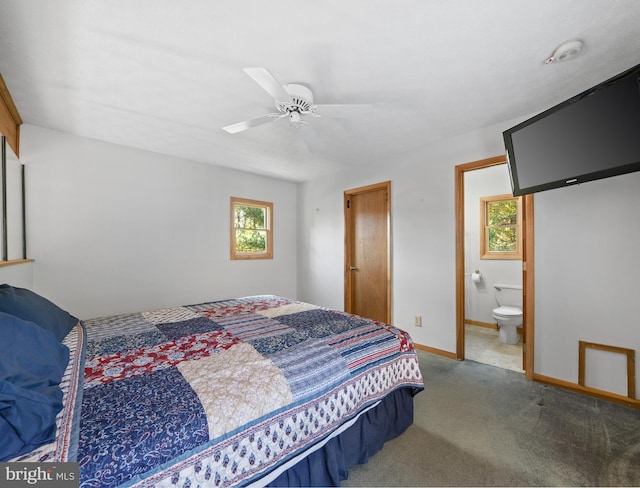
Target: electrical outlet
point(417, 321)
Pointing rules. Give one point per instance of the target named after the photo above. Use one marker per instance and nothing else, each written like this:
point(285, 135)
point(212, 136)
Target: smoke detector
point(565, 51)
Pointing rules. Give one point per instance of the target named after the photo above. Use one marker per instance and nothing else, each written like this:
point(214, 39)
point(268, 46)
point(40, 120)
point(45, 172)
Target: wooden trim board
point(13, 262)
point(433, 350)
point(10, 120)
point(631, 362)
point(586, 390)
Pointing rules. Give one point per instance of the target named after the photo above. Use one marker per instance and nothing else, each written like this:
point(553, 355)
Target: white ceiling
point(166, 75)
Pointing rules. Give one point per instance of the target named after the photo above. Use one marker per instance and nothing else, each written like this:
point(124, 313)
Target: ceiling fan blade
point(343, 110)
point(248, 124)
point(264, 78)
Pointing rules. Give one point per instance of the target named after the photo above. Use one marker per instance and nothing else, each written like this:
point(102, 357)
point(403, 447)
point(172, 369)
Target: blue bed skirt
point(330, 464)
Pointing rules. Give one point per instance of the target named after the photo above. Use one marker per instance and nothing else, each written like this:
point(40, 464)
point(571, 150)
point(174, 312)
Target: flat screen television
point(593, 135)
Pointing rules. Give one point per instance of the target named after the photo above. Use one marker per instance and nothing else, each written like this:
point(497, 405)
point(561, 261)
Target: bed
point(253, 391)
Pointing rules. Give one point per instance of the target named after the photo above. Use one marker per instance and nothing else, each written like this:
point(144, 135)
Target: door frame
point(348, 243)
point(527, 264)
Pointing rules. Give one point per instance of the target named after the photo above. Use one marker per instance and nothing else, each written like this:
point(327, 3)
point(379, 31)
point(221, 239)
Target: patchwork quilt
point(221, 393)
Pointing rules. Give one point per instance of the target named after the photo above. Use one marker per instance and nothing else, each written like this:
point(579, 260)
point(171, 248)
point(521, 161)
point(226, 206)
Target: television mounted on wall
point(593, 135)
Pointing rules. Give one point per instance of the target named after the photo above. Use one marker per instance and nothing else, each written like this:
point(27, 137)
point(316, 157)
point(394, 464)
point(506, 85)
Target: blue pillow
point(32, 362)
point(27, 419)
point(30, 306)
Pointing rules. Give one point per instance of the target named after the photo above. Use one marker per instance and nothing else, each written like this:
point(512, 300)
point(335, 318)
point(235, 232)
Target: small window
point(500, 222)
point(251, 229)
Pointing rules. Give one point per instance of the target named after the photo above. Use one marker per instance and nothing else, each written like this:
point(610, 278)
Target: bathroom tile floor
point(482, 345)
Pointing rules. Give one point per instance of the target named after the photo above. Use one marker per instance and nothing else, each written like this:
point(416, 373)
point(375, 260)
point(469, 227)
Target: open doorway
point(463, 278)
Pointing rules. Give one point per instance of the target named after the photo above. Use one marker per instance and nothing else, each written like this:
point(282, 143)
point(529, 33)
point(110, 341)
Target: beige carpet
point(478, 425)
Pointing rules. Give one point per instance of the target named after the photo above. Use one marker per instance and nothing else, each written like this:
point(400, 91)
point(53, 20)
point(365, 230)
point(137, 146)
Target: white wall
point(114, 229)
point(20, 275)
point(587, 246)
point(14, 207)
point(479, 296)
point(423, 240)
point(586, 253)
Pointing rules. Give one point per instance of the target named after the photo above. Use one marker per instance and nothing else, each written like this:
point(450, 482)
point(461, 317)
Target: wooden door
point(368, 251)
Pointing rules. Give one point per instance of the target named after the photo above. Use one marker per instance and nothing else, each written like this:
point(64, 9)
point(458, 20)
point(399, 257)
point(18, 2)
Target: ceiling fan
point(293, 101)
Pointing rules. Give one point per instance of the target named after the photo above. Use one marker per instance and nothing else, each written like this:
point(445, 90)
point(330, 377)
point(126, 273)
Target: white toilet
point(509, 313)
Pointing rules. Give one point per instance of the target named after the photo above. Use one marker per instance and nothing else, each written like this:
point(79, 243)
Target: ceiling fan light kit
point(295, 120)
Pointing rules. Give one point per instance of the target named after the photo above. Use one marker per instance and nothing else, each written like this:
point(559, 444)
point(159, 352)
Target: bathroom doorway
point(474, 334)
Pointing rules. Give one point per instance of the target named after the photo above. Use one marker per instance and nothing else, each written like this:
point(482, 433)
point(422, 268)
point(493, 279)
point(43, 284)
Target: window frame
point(242, 255)
point(485, 253)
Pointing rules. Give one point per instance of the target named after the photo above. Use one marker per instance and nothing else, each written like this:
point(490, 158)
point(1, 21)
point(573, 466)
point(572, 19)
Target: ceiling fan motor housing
point(301, 99)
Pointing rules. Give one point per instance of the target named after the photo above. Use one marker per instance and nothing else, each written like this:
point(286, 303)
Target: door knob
point(353, 268)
